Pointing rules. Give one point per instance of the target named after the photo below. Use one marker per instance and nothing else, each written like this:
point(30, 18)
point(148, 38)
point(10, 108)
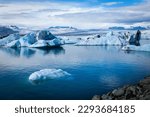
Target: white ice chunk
point(48, 74)
point(110, 38)
point(145, 47)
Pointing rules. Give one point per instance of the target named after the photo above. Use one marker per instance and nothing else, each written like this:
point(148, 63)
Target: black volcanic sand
point(139, 91)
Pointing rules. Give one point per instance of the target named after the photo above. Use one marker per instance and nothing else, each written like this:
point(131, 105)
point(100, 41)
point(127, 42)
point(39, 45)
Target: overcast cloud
point(101, 15)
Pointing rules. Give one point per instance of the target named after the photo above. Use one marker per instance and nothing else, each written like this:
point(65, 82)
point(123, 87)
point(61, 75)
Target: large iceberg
point(35, 40)
point(46, 39)
point(110, 38)
point(44, 74)
point(145, 47)
point(10, 38)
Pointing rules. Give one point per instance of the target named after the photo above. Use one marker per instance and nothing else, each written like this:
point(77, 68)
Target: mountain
point(62, 29)
point(15, 28)
point(7, 30)
point(130, 28)
point(137, 28)
point(116, 28)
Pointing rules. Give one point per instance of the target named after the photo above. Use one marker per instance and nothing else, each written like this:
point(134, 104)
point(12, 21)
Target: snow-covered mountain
point(11, 29)
point(7, 30)
point(137, 28)
point(130, 28)
point(117, 28)
point(62, 29)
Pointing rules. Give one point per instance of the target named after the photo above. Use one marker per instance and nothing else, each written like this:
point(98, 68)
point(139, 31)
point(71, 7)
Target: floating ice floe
point(110, 38)
point(145, 47)
point(48, 74)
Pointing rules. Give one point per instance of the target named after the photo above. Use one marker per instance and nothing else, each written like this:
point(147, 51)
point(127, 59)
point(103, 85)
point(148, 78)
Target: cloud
point(47, 14)
point(131, 15)
point(2, 6)
point(111, 3)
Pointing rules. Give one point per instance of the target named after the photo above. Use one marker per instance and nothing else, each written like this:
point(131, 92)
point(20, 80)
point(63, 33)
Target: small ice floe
point(145, 47)
point(39, 76)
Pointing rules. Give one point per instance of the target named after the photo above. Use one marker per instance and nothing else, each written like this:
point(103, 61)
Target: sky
point(76, 13)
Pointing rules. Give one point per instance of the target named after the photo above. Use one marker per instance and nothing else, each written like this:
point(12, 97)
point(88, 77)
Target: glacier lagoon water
point(94, 70)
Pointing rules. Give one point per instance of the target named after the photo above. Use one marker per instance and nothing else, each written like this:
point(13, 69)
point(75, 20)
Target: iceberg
point(46, 39)
point(44, 74)
point(56, 42)
point(13, 44)
point(28, 40)
point(39, 44)
point(145, 47)
point(10, 38)
point(45, 35)
point(49, 43)
point(34, 40)
point(111, 38)
point(24, 41)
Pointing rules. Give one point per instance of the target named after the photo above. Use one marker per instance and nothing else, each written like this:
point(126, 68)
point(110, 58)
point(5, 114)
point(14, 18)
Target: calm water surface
point(94, 70)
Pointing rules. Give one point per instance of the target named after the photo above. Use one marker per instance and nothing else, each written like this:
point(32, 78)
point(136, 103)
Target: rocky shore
point(139, 91)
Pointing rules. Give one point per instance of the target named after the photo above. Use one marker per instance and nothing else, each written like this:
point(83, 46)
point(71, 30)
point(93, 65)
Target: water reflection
point(55, 51)
point(30, 52)
point(95, 70)
point(11, 51)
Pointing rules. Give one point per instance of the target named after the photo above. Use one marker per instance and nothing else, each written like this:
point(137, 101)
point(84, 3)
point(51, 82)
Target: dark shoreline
point(139, 91)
